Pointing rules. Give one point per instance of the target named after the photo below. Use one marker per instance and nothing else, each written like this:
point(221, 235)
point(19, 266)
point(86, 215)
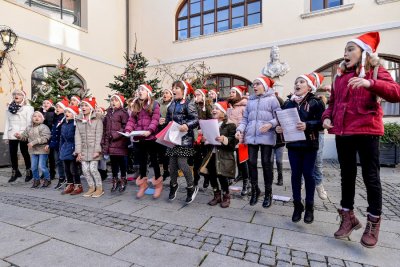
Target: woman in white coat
point(18, 118)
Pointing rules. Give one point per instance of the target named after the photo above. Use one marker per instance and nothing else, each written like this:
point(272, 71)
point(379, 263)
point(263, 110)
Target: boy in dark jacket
point(48, 112)
point(219, 164)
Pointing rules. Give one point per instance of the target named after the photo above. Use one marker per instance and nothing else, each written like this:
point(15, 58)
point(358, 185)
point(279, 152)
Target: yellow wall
point(97, 51)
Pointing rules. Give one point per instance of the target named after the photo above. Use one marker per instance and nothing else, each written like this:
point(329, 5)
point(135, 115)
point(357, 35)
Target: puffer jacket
point(112, 142)
point(48, 116)
point(67, 140)
point(235, 112)
point(54, 141)
point(144, 121)
point(17, 123)
point(184, 113)
point(357, 111)
point(310, 110)
point(259, 111)
point(38, 135)
point(88, 137)
point(225, 158)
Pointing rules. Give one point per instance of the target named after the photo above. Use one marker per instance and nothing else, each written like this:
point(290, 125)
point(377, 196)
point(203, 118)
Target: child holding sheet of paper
point(219, 164)
point(302, 154)
point(145, 117)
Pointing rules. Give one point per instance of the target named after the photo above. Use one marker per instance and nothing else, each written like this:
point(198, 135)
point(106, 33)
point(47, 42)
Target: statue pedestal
point(278, 87)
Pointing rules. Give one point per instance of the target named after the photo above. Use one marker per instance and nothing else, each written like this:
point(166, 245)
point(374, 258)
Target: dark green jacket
point(225, 158)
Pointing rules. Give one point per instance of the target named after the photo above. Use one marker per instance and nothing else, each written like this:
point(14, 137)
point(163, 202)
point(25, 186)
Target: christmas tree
point(134, 75)
point(57, 84)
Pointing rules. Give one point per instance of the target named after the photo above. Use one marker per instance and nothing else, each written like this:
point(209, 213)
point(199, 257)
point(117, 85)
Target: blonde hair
point(371, 62)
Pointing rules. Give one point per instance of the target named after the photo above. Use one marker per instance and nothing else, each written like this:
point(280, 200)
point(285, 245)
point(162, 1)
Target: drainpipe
point(127, 26)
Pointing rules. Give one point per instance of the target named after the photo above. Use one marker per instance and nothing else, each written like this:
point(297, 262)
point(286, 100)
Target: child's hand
point(96, 155)
point(327, 124)
point(183, 128)
point(265, 128)
point(30, 145)
point(146, 133)
point(46, 148)
point(238, 135)
point(79, 157)
point(357, 82)
point(162, 121)
point(18, 135)
point(301, 126)
point(278, 129)
point(220, 138)
point(203, 139)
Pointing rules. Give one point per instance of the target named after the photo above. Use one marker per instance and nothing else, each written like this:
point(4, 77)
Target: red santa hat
point(64, 103)
point(319, 78)
point(77, 98)
point(91, 101)
point(188, 89)
point(73, 109)
point(203, 93)
point(240, 89)
point(40, 115)
point(310, 79)
point(369, 43)
point(120, 98)
point(222, 105)
point(266, 82)
point(149, 90)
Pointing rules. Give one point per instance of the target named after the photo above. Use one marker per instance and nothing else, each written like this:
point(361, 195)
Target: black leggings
point(145, 148)
point(23, 146)
point(72, 171)
point(118, 163)
point(266, 151)
point(212, 173)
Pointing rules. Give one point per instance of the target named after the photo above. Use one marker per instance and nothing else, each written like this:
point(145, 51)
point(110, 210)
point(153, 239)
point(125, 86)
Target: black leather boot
point(267, 199)
point(14, 175)
point(309, 214)
point(244, 187)
point(255, 193)
point(298, 210)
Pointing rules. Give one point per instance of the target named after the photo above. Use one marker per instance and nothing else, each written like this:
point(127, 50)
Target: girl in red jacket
point(355, 116)
point(145, 117)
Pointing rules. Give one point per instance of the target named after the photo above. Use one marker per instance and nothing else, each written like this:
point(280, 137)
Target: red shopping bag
point(161, 135)
point(243, 151)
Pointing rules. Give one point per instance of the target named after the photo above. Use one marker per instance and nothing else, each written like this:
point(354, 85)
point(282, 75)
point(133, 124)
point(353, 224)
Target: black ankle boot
point(298, 210)
point(255, 193)
point(123, 181)
point(309, 214)
point(115, 184)
point(28, 175)
point(14, 175)
point(244, 187)
point(280, 179)
point(267, 199)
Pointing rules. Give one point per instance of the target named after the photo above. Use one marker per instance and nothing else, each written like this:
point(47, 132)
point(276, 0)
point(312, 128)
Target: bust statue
point(276, 69)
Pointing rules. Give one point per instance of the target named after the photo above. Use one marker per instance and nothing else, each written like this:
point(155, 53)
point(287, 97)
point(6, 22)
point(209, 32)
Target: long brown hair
point(236, 99)
point(137, 105)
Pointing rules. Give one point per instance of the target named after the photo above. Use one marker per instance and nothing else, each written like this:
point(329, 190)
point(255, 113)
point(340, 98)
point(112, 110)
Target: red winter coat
point(112, 142)
point(357, 111)
point(144, 121)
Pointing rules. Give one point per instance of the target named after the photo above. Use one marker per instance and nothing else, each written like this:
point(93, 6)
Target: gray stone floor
point(41, 227)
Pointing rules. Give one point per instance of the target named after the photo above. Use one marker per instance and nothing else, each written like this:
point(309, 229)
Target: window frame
point(325, 5)
point(232, 77)
point(216, 9)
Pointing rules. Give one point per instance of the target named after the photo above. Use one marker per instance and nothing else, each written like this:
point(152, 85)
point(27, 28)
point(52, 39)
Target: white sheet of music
point(288, 118)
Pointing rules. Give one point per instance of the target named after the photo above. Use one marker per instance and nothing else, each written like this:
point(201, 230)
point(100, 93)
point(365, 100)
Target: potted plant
point(390, 144)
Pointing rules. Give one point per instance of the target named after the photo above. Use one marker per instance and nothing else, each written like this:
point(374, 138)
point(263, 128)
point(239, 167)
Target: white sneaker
point(321, 192)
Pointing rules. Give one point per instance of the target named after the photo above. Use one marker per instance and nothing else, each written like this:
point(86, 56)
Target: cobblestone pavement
point(118, 230)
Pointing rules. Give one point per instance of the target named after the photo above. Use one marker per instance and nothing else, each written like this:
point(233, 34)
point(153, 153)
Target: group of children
point(83, 136)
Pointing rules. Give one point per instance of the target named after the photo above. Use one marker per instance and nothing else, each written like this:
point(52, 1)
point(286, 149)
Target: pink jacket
point(357, 111)
point(144, 121)
point(235, 113)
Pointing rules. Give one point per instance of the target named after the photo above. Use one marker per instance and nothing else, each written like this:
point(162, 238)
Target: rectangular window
point(183, 34)
point(208, 5)
point(322, 4)
point(195, 8)
point(237, 11)
point(223, 25)
point(195, 21)
point(66, 10)
point(208, 29)
point(253, 19)
point(208, 18)
point(222, 3)
point(195, 32)
point(237, 22)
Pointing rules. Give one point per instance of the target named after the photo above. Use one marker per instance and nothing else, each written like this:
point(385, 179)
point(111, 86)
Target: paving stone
point(269, 247)
point(141, 251)
point(352, 264)
point(214, 259)
point(21, 216)
point(208, 247)
point(300, 254)
point(238, 247)
point(143, 232)
point(63, 254)
point(4, 264)
point(256, 250)
point(236, 254)
point(254, 244)
point(251, 257)
point(167, 238)
point(284, 257)
point(240, 241)
point(199, 238)
point(195, 244)
point(212, 241)
point(300, 261)
point(269, 253)
point(221, 250)
point(283, 264)
point(283, 250)
point(267, 261)
point(335, 261)
point(188, 235)
point(226, 238)
point(182, 241)
point(203, 233)
point(316, 257)
point(214, 235)
point(318, 264)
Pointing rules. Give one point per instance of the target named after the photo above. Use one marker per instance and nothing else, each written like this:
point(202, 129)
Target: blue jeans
point(302, 163)
point(318, 176)
point(59, 164)
point(39, 162)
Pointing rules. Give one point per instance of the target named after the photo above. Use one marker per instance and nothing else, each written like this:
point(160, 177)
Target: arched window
point(224, 82)
point(39, 75)
point(390, 62)
point(203, 17)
